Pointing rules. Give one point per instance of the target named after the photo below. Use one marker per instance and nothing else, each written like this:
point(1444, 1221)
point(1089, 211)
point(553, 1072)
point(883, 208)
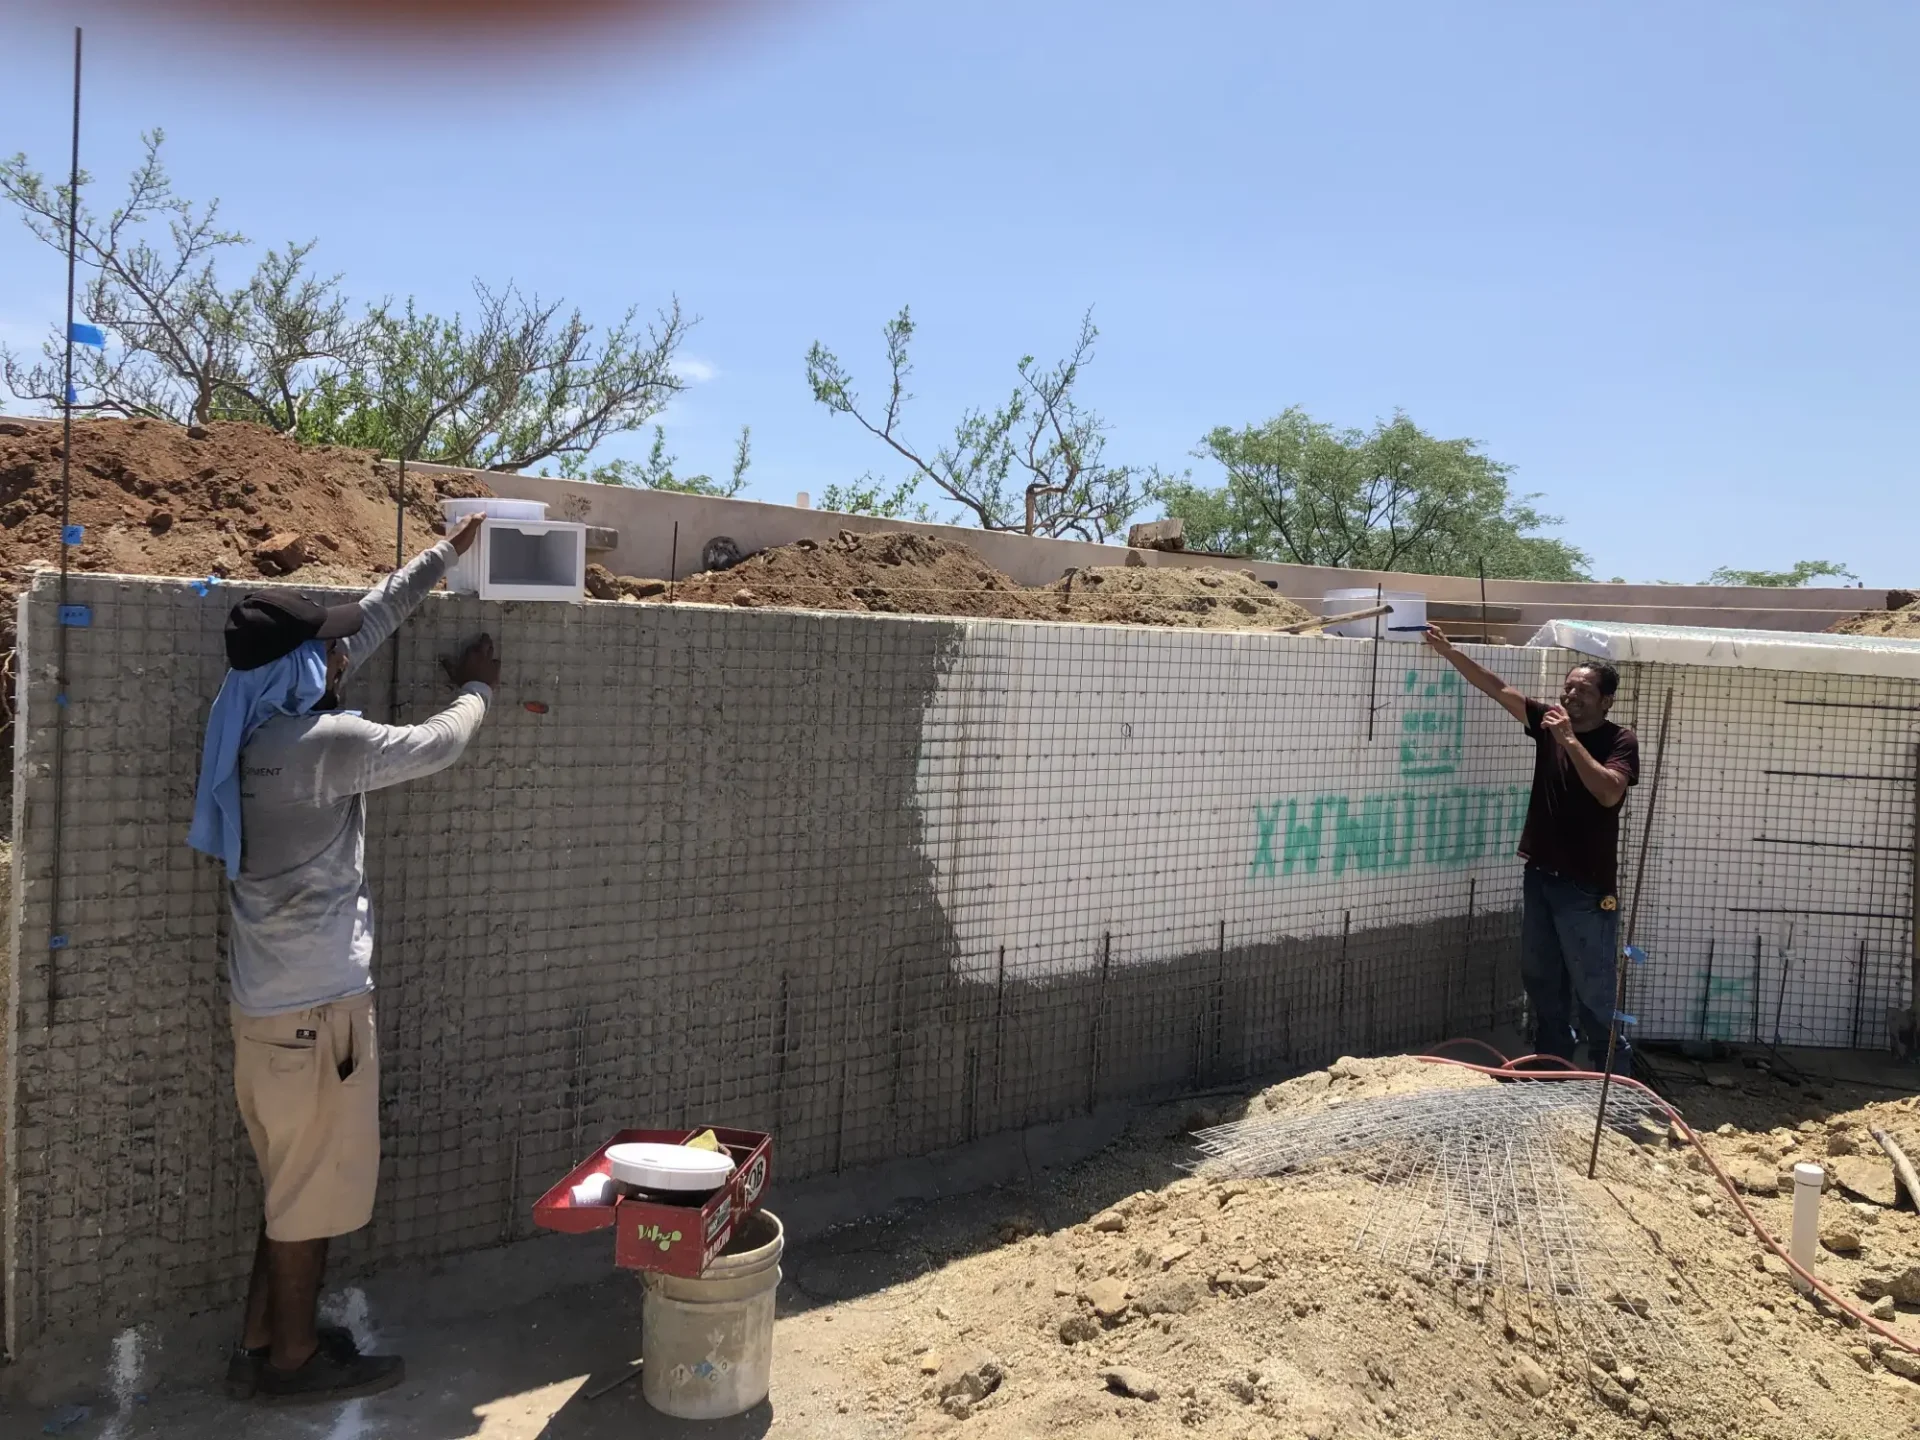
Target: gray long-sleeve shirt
point(302, 910)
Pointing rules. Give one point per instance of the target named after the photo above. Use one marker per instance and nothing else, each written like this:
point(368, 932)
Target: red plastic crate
point(670, 1239)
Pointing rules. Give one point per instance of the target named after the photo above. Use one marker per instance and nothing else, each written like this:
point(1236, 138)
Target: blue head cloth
point(291, 685)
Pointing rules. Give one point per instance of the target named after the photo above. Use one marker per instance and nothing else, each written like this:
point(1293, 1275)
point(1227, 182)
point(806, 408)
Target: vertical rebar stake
point(1755, 994)
point(673, 562)
point(1706, 992)
point(1219, 1008)
point(1859, 990)
point(1633, 921)
point(1099, 1021)
point(1373, 680)
point(56, 938)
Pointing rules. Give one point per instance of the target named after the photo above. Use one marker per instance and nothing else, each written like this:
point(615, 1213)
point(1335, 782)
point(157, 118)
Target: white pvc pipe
point(1808, 1181)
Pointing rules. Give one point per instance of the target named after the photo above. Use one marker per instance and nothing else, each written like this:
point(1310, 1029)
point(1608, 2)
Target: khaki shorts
point(308, 1083)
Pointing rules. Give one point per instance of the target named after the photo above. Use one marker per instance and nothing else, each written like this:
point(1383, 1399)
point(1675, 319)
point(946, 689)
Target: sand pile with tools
point(236, 501)
point(1120, 1301)
point(1899, 621)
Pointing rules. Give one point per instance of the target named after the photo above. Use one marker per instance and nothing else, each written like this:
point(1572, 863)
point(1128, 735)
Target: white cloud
point(694, 371)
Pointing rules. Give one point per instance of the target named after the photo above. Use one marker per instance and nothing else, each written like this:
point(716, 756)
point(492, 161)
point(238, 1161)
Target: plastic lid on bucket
point(654, 1166)
point(494, 508)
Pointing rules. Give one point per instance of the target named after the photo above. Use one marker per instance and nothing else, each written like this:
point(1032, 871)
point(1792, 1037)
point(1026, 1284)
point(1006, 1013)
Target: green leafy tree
point(1803, 572)
point(187, 347)
point(656, 471)
point(1036, 463)
point(1389, 498)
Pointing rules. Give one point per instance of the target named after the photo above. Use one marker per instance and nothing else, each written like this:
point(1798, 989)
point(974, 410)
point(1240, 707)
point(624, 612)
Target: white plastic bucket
point(494, 507)
point(1406, 621)
point(706, 1345)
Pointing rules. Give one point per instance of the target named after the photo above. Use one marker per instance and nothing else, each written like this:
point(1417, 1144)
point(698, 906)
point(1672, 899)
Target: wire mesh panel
point(878, 884)
point(1777, 906)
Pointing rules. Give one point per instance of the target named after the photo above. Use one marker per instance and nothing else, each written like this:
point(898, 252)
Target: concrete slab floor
point(533, 1372)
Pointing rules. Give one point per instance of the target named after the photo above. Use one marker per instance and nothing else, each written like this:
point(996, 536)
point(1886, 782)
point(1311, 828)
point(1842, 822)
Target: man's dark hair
point(1605, 677)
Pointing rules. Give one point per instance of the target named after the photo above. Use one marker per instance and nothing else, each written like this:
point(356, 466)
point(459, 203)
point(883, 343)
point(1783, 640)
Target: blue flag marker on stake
point(73, 534)
point(87, 335)
point(1624, 1018)
point(1636, 955)
point(73, 396)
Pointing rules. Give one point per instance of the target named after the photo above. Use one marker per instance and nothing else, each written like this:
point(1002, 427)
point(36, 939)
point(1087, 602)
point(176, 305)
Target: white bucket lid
point(493, 507)
point(654, 1166)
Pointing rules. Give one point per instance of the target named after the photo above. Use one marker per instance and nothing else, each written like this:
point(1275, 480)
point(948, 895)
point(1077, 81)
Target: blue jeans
point(1569, 952)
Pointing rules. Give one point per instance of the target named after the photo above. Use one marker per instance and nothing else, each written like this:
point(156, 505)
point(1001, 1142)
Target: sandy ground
point(1242, 1306)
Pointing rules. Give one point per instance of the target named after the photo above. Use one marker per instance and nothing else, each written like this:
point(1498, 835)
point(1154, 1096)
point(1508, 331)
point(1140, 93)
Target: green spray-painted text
point(1440, 826)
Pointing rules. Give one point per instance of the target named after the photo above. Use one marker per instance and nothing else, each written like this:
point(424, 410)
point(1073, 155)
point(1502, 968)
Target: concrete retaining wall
point(882, 885)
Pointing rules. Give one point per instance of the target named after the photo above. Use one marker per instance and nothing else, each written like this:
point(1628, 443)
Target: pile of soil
point(1163, 595)
point(1900, 620)
point(904, 573)
point(1115, 1301)
point(236, 501)
point(894, 572)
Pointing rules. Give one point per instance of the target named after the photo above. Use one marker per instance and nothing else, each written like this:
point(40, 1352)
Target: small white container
point(652, 1165)
point(524, 560)
point(1406, 621)
point(494, 508)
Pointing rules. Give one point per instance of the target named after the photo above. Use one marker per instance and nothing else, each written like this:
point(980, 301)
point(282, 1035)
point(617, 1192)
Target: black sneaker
point(326, 1378)
point(243, 1370)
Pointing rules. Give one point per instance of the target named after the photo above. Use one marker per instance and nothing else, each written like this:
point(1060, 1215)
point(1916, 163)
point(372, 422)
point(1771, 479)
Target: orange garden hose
point(1506, 1071)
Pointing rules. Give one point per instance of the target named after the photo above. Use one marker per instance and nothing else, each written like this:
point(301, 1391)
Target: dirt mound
point(241, 503)
point(895, 572)
point(1899, 621)
point(905, 573)
point(1244, 1309)
point(1205, 599)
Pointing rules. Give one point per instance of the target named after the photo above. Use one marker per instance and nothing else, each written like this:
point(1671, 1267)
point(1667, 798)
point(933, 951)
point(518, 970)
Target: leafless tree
point(1037, 463)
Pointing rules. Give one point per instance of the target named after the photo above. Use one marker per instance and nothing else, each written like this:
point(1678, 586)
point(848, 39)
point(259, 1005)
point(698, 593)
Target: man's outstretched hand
point(462, 536)
point(476, 662)
point(1438, 640)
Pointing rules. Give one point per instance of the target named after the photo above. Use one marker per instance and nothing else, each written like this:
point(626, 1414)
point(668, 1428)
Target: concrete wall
point(881, 885)
point(646, 520)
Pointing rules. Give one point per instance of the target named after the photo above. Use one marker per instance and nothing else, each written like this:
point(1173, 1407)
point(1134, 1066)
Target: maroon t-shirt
point(1568, 831)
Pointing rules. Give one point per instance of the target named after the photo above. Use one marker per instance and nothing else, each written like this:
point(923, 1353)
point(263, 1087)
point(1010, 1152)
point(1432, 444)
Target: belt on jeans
point(1608, 901)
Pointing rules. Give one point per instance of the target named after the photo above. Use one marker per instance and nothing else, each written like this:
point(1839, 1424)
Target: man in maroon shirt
point(1582, 767)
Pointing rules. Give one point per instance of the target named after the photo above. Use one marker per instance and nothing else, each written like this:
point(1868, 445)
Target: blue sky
point(1659, 258)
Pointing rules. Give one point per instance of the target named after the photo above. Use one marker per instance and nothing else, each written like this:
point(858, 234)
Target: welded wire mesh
point(1778, 902)
point(1481, 1186)
point(881, 885)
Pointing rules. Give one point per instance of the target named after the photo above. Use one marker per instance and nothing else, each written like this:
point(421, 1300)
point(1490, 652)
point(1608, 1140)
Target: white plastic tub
point(524, 560)
point(494, 508)
point(1406, 621)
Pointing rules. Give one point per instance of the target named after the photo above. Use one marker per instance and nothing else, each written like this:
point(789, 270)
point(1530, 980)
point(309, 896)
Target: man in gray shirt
point(283, 776)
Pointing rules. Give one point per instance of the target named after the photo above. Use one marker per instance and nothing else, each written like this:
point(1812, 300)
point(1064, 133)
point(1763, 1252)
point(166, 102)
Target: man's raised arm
point(399, 595)
point(1478, 676)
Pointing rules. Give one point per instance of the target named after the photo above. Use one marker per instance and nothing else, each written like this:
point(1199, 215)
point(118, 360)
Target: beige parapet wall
point(645, 521)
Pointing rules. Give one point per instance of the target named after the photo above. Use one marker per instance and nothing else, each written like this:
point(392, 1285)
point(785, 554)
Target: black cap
point(262, 628)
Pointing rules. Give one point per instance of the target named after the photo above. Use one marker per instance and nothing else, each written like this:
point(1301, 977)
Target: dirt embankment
point(1899, 621)
point(235, 501)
